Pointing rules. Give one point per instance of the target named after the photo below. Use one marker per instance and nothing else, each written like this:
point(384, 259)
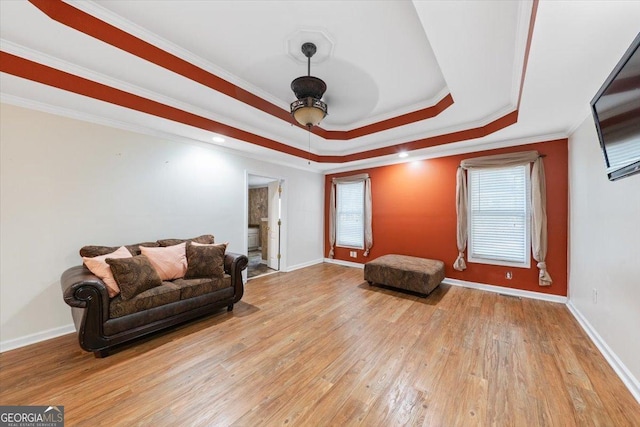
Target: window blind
point(350, 214)
point(499, 215)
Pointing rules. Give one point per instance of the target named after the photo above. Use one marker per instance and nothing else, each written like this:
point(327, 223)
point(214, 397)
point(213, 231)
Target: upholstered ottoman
point(405, 272)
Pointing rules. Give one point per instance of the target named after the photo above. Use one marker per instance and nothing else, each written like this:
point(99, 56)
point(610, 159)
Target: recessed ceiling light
point(218, 139)
point(403, 155)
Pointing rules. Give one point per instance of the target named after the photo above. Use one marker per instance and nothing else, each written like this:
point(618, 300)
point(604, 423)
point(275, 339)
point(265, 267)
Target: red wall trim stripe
point(44, 74)
point(36, 72)
point(72, 17)
point(405, 119)
point(532, 22)
point(81, 21)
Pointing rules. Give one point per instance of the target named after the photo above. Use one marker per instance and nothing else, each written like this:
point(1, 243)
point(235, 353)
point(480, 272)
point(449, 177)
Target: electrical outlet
point(595, 296)
point(508, 275)
point(353, 254)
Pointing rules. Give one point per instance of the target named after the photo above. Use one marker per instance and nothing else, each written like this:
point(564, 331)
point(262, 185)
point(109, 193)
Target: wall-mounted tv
point(616, 110)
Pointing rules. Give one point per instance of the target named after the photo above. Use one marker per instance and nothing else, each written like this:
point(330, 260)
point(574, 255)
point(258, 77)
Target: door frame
point(283, 215)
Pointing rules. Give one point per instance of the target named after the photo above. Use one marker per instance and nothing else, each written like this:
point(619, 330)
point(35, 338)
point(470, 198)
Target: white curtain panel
point(332, 218)
point(461, 213)
point(368, 232)
point(539, 221)
point(538, 205)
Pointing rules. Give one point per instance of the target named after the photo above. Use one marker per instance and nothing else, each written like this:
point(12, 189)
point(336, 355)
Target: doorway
point(264, 225)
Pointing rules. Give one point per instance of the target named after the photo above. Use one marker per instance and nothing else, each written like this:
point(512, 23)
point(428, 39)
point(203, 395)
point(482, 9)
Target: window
point(499, 212)
point(350, 214)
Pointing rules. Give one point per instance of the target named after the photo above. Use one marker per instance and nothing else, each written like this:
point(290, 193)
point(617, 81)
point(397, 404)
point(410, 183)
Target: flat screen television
point(616, 111)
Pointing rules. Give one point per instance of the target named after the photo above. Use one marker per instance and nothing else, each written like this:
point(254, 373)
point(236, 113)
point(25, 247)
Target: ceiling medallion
point(308, 109)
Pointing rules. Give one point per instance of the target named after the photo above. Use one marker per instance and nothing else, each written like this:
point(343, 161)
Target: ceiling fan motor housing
point(308, 110)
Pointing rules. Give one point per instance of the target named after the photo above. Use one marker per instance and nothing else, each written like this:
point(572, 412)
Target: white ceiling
point(380, 60)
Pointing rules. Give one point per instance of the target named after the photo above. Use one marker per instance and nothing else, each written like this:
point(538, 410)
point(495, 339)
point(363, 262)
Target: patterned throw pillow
point(134, 275)
point(94, 251)
point(205, 261)
point(205, 238)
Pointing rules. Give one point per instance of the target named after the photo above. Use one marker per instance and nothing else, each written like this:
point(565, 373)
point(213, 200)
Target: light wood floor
point(319, 347)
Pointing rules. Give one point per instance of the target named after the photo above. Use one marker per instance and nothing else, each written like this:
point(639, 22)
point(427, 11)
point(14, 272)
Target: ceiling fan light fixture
point(308, 109)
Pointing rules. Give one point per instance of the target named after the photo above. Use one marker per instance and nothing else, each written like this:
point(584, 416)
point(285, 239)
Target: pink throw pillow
point(99, 267)
point(170, 262)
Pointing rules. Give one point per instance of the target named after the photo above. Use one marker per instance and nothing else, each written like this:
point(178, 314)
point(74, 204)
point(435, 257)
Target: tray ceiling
point(424, 77)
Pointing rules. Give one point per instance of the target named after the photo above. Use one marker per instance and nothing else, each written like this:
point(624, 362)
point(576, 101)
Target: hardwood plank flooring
point(320, 347)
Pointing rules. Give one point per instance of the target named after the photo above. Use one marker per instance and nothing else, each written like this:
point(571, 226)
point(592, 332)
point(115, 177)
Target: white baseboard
point(474, 285)
point(625, 375)
point(303, 265)
point(37, 337)
point(506, 291)
point(345, 263)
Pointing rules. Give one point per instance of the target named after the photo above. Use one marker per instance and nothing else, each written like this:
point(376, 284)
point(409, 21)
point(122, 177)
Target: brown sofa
point(103, 322)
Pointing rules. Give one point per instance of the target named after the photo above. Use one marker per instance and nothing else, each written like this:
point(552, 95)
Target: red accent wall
point(414, 214)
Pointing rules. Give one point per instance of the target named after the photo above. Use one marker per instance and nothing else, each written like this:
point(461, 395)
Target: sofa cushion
point(205, 261)
point(170, 262)
point(190, 288)
point(166, 293)
point(134, 275)
point(98, 266)
point(199, 305)
point(94, 251)
point(205, 238)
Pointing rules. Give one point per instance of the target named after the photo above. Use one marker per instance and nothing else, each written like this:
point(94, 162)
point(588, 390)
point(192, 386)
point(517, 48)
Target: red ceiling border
point(40, 73)
point(532, 21)
point(81, 21)
point(50, 76)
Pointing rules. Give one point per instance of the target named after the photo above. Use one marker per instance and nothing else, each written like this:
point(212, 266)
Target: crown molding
point(523, 30)
point(392, 141)
point(100, 12)
point(585, 116)
point(407, 109)
point(93, 21)
point(135, 98)
point(454, 149)
point(85, 73)
point(143, 130)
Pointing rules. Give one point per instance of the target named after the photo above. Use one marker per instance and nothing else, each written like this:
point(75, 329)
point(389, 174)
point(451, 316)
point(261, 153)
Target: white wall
point(66, 183)
point(604, 248)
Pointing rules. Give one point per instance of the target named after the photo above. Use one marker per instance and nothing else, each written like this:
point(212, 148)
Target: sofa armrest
point(234, 264)
point(82, 289)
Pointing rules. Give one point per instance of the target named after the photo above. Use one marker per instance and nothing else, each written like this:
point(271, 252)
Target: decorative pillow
point(98, 266)
point(135, 249)
point(134, 275)
point(170, 262)
point(206, 244)
point(205, 238)
point(205, 261)
point(94, 251)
